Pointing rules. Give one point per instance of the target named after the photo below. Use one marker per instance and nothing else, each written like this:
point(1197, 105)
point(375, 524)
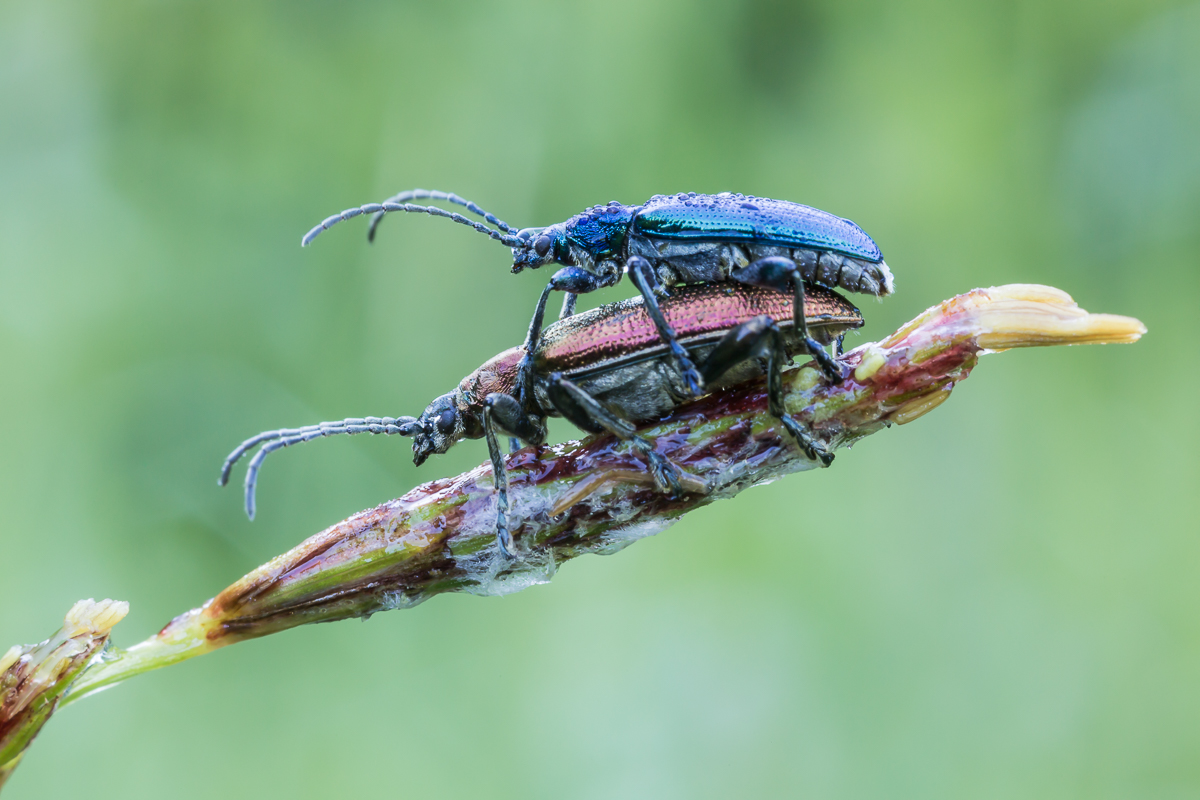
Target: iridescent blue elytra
point(677, 239)
point(734, 218)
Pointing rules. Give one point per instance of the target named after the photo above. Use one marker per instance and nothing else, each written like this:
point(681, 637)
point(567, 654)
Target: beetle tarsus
point(811, 447)
point(829, 366)
point(504, 539)
point(665, 474)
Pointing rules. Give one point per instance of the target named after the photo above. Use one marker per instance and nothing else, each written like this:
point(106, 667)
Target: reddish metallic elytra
point(618, 331)
point(623, 332)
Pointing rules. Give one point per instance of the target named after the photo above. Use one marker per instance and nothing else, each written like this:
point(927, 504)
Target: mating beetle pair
point(670, 240)
point(604, 370)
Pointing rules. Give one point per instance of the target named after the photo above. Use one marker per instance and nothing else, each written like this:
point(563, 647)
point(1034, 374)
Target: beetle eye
point(542, 245)
point(445, 421)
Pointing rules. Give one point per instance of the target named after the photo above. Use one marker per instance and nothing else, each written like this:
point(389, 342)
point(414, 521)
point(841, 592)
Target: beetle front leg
point(568, 306)
point(504, 538)
point(750, 340)
point(511, 418)
point(586, 413)
point(572, 280)
point(782, 274)
point(641, 272)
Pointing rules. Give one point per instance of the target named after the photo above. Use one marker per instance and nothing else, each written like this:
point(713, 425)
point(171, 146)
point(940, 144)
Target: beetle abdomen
point(851, 274)
point(740, 218)
point(624, 329)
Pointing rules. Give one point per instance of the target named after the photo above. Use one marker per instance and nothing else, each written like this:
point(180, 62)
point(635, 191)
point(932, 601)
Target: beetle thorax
point(497, 375)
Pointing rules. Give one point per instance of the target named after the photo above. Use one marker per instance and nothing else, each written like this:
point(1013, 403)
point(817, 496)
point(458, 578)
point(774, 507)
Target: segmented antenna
point(403, 426)
point(434, 194)
point(373, 208)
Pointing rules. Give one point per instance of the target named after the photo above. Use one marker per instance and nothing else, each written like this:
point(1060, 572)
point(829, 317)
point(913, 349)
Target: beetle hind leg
point(751, 340)
point(782, 274)
point(586, 413)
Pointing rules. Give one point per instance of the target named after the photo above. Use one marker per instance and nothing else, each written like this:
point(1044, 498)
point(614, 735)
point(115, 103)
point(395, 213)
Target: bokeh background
point(1000, 600)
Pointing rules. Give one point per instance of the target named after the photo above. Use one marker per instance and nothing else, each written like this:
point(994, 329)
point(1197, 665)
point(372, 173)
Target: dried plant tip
point(1021, 315)
point(33, 678)
point(1028, 315)
point(88, 616)
point(10, 658)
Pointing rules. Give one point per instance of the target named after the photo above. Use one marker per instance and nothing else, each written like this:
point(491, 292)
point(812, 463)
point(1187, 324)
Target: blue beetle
point(676, 239)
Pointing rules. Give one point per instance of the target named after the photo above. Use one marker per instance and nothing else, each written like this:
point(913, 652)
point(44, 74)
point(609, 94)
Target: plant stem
point(594, 495)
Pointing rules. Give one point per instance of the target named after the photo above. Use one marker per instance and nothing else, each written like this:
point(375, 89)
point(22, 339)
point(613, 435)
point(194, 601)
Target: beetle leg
point(750, 340)
point(782, 274)
point(838, 346)
point(747, 341)
point(568, 306)
point(511, 418)
point(505, 413)
point(572, 280)
point(812, 448)
point(586, 413)
point(644, 278)
point(504, 537)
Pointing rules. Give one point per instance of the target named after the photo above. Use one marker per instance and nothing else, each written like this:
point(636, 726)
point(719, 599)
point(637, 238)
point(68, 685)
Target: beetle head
point(441, 426)
point(540, 246)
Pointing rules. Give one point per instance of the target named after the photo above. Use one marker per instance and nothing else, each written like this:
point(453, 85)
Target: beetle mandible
point(670, 240)
point(604, 370)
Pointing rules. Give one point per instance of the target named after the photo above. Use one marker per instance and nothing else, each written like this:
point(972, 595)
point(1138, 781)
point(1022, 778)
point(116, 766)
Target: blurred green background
point(1000, 600)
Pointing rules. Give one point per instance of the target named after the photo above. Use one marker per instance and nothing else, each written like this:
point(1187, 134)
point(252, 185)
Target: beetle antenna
point(403, 426)
point(434, 194)
point(373, 208)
